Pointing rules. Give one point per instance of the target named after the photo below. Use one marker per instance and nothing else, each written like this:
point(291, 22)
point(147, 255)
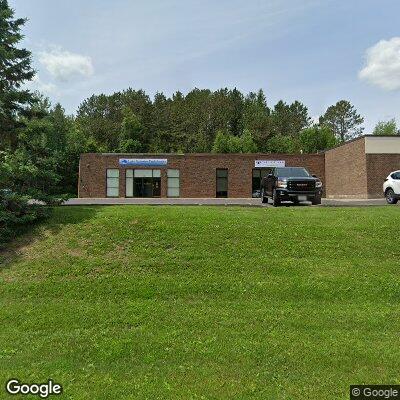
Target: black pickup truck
point(291, 184)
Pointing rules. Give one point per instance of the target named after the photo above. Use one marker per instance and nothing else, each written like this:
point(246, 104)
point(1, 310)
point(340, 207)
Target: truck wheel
point(316, 200)
point(263, 198)
point(276, 200)
point(390, 197)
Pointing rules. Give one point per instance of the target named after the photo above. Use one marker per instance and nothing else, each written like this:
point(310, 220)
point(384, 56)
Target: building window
point(173, 183)
point(129, 183)
point(222, 183)
point(143, 183)
point(112, 182)
point(257, 175)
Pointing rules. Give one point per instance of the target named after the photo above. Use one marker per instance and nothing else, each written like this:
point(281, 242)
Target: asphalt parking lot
point(220, 202)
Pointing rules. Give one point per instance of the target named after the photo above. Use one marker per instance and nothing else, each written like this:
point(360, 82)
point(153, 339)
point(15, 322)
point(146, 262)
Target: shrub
point(16, 213)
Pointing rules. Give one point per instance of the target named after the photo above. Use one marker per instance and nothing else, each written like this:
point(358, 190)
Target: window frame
point(117, 178)
point(133, 177)
point(171, 179)
point(217, 178)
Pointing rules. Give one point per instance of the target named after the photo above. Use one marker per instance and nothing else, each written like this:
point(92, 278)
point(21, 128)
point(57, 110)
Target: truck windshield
point(292, 172)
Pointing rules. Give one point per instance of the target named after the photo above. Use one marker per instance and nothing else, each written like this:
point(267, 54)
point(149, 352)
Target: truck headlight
point(281, 184)
point(318, 184)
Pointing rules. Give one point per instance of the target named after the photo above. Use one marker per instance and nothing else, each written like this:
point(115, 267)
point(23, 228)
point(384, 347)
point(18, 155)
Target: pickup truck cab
point(291, 184)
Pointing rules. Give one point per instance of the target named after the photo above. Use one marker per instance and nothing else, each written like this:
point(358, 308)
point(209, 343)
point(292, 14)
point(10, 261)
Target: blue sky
point(309, 50)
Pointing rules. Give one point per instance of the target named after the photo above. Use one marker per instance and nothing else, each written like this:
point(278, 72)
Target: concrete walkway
point(215, 202)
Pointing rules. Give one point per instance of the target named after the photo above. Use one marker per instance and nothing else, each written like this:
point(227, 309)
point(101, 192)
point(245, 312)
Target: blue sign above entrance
point(144, 162)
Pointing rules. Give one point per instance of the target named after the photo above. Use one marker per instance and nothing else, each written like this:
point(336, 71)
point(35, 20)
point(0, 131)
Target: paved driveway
point(221, 202)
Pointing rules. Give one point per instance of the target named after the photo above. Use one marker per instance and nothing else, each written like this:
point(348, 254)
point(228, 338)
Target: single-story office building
point(355, 169)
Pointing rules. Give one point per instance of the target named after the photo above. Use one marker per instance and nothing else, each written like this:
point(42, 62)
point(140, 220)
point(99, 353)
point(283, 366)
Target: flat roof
point(206, 154)
point(369, 135)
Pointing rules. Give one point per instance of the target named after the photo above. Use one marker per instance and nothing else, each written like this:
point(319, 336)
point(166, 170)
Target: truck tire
point(276, 201)
point(390, 197)
point(263, 198)
point(316, 200)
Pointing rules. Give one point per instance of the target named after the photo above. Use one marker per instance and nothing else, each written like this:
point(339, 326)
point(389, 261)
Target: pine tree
point(256, 118)
point(289, 120)
point(236, 112)
point(343, 120)
point(15, 69)
point(131, 133)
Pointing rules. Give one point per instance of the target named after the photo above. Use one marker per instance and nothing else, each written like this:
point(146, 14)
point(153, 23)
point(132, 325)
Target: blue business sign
point(143, 162)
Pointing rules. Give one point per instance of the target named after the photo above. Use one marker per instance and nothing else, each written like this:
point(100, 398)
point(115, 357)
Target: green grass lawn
point(141, 302)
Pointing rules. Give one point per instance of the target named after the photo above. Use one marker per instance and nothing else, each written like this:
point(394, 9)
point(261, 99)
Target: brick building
point(353, 169)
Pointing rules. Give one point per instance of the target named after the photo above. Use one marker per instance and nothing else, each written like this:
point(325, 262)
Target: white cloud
point(64, 65)
point(383, 64)
point(37, 84)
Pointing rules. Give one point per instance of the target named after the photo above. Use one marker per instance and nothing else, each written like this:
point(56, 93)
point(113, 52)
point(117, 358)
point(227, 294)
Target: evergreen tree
point(161, 123)
point(343, 120)
point(235, 122)
point(289, 120)
point(131, 133)
point(64, 147)
point(15, 69)
point(99, 117)
point(299, 118)
point(256, 118)
point(61, 125)
point(31, 169)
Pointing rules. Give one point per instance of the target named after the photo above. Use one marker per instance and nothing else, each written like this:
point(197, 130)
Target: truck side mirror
point(314, 176)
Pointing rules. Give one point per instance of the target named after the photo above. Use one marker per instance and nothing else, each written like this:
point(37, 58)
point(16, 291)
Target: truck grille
point(301, 186)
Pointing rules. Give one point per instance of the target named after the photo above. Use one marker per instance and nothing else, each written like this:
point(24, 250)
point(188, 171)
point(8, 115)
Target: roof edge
point(369, 135)
point(205, 154)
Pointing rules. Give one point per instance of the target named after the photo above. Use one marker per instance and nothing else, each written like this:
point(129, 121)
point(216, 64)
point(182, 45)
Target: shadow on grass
point(291, 204)
point(59, 217)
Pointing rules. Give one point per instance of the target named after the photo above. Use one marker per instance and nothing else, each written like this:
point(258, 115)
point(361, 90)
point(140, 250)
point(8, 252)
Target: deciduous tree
point(386, 128)
point(282, 144)
point(316, 138)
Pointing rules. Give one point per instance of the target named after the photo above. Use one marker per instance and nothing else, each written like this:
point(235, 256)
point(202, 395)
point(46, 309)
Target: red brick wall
point(197, 171)
point(346, 171)
point(378, 168)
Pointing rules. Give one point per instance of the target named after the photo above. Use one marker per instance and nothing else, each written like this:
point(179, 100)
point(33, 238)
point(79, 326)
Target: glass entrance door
point(143, 187)
point(258, 175)
point(143, 183)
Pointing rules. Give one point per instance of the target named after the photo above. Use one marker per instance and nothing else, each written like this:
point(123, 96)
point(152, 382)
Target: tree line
point(225, 120)
point(40, 144)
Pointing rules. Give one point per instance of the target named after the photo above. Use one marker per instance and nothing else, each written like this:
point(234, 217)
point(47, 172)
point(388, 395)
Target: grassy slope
point(197, 302)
